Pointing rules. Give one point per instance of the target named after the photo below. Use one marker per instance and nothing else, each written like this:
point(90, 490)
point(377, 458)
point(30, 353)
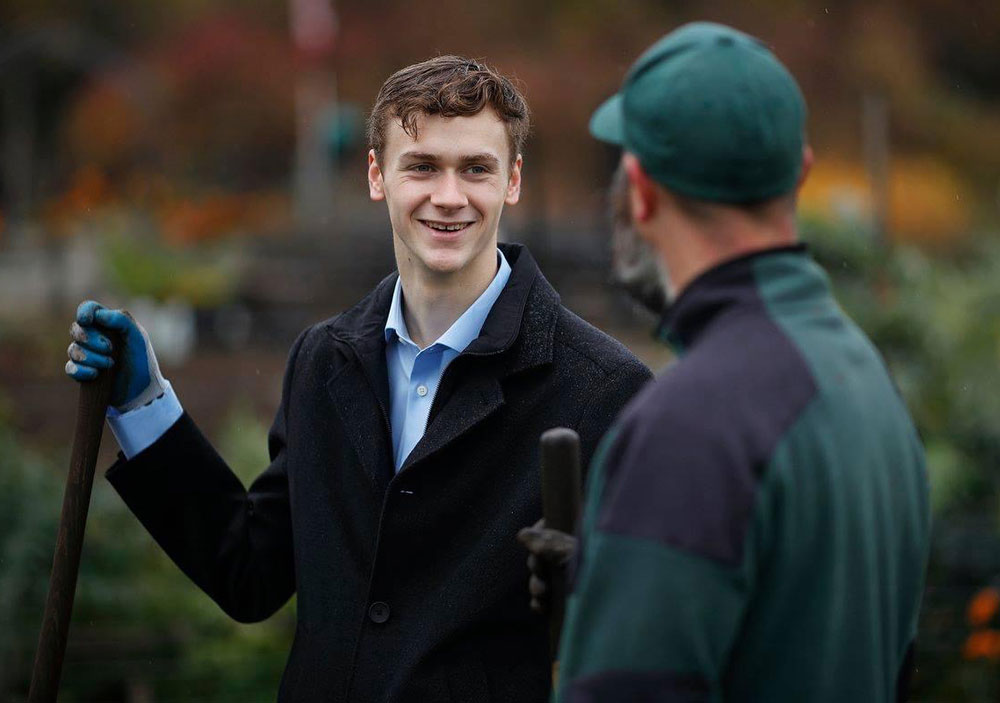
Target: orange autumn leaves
point(182, 218)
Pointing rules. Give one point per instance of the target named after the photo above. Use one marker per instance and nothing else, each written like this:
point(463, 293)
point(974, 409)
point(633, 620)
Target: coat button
point(378, 612)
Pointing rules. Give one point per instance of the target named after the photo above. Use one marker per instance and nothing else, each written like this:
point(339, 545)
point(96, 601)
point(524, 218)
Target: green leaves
point(139, 625)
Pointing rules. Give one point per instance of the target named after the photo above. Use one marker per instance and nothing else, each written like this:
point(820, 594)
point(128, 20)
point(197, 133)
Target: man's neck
point(688, 252)
point(432, 302)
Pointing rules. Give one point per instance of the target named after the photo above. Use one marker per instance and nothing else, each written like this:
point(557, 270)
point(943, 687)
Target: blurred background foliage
point(203, 162)
point(155, 106)
point(140, 631)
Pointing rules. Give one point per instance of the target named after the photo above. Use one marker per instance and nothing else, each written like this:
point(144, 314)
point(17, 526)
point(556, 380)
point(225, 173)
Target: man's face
point(634, 266)
point(445, 191)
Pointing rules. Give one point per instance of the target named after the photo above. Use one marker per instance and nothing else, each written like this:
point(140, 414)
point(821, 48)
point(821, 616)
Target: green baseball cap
point(710, 113)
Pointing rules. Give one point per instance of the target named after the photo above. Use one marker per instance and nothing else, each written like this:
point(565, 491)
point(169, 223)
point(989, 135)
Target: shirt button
point(378, 612)
point(421, 391)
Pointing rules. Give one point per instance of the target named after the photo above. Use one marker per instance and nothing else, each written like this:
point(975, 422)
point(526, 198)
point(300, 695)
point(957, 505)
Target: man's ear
point(514, 182)
point(807, 161)
point(376, 184)
point(641, 191)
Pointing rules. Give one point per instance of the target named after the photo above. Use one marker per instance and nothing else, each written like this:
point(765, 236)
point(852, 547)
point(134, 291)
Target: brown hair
point(449, 86)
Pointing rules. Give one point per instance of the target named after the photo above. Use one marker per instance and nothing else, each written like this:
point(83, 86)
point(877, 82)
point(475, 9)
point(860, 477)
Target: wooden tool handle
point(91, 409)
point(560, 449)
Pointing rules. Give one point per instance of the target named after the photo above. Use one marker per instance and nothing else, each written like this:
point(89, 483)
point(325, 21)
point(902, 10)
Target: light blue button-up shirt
point(414, 373)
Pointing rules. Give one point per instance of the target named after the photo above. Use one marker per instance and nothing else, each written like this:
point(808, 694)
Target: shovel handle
point(91, 409)
point(560, 460)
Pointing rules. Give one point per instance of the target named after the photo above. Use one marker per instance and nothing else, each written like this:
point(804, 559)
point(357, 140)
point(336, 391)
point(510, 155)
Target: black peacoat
point(410, 585)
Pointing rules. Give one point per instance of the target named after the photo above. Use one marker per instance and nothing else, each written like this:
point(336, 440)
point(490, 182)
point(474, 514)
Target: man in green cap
point(756, 524)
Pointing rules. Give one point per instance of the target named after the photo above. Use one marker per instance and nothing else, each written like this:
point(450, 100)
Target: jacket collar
point(730, 284)
point(517, 335)
point(469, 324)
point(520, 325)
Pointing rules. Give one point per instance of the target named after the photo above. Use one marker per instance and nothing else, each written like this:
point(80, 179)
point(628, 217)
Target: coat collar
point(731, 283)
point(518, 334)
point(520, 325)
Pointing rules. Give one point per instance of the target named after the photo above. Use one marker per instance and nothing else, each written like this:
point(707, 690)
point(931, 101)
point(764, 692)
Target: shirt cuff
point(140, 427)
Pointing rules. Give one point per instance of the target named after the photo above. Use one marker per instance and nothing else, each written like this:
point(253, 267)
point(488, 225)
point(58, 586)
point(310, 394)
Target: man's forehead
point(450, 137)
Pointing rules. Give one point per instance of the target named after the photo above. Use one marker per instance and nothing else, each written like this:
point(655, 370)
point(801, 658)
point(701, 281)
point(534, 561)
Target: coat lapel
point(361, 403)
point(516, 335)
point(472, 401)
point(360, 387)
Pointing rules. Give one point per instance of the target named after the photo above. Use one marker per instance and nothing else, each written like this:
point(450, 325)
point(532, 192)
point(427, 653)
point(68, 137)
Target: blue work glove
point(137, 380)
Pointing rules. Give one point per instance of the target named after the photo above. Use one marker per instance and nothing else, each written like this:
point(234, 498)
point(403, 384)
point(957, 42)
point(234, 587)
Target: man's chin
point(444, 263)
point(442, 259)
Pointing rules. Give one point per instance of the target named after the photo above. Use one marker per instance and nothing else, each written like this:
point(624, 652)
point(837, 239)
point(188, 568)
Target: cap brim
point(607, 123)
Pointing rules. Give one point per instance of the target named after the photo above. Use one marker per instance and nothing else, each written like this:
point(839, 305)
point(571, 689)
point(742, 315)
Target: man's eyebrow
point(417, 156)
point(483, 158)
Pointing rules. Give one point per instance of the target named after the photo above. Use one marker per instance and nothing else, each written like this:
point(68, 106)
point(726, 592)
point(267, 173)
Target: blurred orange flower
point(210, 217)
point(984, 644)
point(983, 606)
point(88, 189)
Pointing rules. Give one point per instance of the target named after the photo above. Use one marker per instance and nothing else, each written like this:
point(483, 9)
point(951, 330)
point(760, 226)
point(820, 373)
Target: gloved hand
point(137, 380)
point(549, 553)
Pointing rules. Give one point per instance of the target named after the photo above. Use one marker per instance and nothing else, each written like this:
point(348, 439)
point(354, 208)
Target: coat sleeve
point(234, 543)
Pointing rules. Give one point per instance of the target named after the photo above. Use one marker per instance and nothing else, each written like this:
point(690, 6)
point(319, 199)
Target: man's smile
point(449, 227)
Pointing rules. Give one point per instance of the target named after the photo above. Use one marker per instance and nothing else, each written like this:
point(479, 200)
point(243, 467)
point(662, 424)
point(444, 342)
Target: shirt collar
point(467, 327)
point(395, 325)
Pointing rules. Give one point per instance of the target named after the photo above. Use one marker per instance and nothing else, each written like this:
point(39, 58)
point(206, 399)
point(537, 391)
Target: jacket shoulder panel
point(694, 443)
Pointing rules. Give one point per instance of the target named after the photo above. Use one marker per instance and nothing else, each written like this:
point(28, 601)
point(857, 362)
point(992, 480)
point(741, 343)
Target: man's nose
point(448, 192)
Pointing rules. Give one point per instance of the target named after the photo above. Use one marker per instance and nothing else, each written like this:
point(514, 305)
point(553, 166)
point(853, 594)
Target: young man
point(757, 522)
point(405, 450)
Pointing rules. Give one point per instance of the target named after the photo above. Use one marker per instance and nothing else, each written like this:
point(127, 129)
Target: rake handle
point(90, 412)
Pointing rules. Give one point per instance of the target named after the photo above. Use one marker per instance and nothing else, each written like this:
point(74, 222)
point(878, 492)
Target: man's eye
point(423, 168)
point(478, 170)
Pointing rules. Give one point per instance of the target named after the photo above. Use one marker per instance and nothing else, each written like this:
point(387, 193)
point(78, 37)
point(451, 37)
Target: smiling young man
point(404, 454)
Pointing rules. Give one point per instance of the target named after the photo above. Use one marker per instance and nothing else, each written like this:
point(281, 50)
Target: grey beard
point(636, 269)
